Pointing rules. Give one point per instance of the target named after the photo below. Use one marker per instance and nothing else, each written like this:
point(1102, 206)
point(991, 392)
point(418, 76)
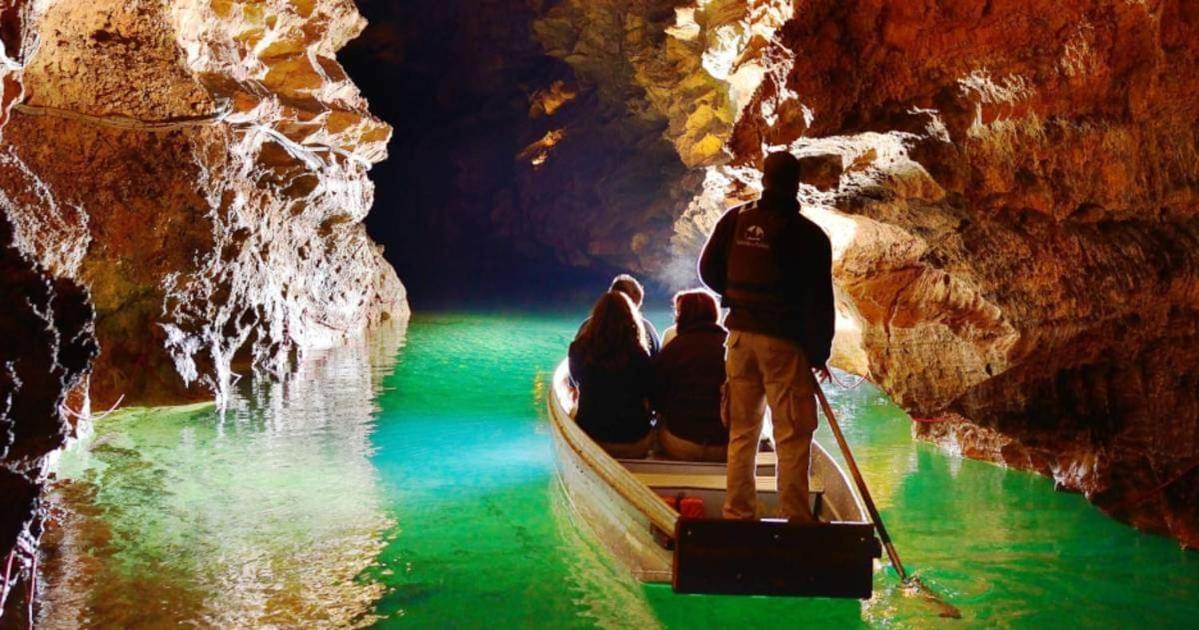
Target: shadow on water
point(708, 611)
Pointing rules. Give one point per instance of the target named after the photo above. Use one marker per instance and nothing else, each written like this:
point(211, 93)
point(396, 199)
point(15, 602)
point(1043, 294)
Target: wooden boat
point(622, 500)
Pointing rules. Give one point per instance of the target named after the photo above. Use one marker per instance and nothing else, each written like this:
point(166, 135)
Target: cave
point(198, 190)
point(1013, 224)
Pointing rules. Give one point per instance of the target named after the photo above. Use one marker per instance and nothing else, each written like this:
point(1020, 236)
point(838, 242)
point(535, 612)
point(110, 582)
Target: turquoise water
point(411, 484)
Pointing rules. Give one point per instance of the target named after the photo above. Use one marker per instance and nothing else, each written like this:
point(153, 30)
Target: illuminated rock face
point(1014, 224)
point(201, 168)
point(47, 348)
point(559, 134)
point(679, 70)
point(1016, 227)
point(693, 65)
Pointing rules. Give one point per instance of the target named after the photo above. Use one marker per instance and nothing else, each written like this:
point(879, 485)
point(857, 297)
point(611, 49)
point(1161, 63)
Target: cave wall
point(49, 343)
point(1014, 224)
point(563, 135)
point(202, 169)
point(186, 181)
point(1016, 227)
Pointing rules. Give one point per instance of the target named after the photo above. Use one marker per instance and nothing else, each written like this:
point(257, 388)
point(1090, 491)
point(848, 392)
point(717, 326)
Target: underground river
point(408, 480)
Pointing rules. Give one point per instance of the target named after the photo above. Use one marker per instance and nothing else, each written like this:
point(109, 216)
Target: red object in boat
point(672, 501)
point(691, 507)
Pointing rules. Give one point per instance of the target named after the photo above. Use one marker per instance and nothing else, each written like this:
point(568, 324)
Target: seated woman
point(609, 364)
point(687, 376)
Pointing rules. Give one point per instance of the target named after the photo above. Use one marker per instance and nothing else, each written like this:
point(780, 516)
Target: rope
point(126, 122)
point(180, 122)
point(931, 420)
point(1158, 490)
point(12, 554)
point(30, 585)
point(4, 587)
point(31, 591)
point(75, 414)
point(837, 381)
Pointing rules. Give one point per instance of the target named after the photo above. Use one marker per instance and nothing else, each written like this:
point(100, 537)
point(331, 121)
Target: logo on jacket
point(753, 236)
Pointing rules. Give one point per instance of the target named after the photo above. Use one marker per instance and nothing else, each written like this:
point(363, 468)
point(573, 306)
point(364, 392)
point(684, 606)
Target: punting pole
point(947, 610)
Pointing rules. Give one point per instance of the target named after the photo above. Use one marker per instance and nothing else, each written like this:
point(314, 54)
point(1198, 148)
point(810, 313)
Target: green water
point(414, 486)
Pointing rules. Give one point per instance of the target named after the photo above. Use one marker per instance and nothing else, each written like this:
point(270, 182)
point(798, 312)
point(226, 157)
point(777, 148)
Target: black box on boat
point(717, 556)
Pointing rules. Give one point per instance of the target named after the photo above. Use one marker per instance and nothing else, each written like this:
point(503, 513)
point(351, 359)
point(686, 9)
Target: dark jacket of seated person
point(610, 367)
point(686, 386)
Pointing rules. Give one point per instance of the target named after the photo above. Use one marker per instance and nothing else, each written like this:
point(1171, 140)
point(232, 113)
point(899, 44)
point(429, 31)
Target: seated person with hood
point(610, 367)
point(687, 377)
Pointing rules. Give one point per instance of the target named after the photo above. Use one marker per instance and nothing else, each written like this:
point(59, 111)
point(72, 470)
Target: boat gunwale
point(611, 471)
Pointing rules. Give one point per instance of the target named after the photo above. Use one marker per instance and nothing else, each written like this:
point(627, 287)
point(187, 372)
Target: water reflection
point(263, 515)
point(483, 537)
point(603, 590)
point(1001, 545)
point(428, 498)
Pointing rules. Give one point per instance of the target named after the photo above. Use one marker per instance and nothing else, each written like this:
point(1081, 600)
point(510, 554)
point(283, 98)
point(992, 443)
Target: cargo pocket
point(801, 406)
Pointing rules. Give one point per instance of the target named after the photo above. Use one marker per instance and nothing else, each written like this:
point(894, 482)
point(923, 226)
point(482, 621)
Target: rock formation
point(532, 134)
point(1017, 226)
point(200, 168)
point(48, 347)
point(1015, 218)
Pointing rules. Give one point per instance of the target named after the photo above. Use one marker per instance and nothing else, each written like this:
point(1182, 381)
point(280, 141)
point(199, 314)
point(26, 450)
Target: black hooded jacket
point(804, 255)
point(685, 389)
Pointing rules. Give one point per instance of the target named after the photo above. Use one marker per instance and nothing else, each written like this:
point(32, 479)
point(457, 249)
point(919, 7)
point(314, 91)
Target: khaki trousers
point(762, 369)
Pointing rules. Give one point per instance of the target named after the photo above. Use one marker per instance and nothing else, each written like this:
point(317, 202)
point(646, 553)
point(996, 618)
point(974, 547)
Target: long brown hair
point(614, 334)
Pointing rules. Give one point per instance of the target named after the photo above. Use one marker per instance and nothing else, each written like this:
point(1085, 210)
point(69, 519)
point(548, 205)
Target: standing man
point(773, 269)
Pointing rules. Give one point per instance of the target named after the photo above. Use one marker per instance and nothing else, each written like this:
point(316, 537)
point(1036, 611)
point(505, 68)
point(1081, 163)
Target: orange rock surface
point(201, 168)
point(1015, 220)
point(196, 171)
point(1017, 226)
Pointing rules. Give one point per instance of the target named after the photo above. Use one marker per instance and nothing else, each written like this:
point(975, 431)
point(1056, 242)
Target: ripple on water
point(263, 515)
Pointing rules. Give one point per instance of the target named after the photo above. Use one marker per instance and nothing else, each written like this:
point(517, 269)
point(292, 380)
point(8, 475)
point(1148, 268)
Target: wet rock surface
point(49, 344)
point(1016, 228)
point(202, 169)
point(196, 173)
point(1010, 190)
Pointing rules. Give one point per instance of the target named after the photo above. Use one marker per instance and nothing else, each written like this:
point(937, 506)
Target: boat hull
point(621, 526)
point(629, 517)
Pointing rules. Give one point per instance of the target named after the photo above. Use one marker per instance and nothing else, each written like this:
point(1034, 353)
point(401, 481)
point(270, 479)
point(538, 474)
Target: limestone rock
point(48, 347)
point(643, 93)
point(1016, 230)
point(201, 167)
point(1012, 209)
